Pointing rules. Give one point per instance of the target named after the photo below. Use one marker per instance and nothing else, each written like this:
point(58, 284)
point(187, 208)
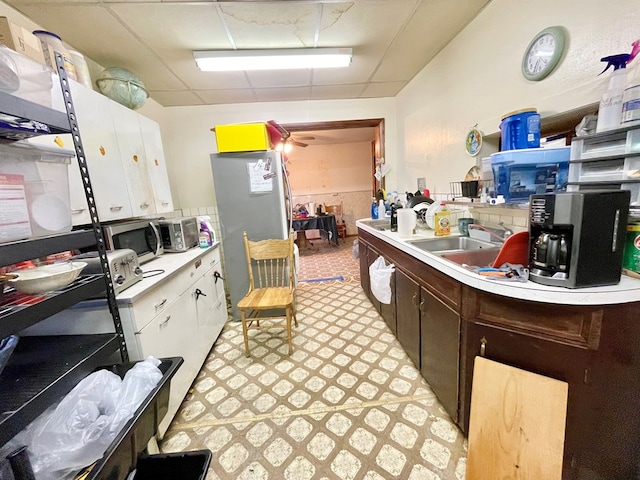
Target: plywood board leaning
point(516, 425)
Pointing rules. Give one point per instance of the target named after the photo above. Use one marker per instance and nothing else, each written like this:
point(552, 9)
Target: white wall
point(189, 139)
point(477, 78)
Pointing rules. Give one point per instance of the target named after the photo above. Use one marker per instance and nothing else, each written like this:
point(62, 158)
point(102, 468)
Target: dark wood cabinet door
point(363, 257)
point(408, 315)
point(439, 349)
point(551, 359)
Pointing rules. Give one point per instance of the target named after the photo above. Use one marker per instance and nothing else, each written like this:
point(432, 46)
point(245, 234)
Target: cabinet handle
point(158, 305)
point(144, 205)
point(414, 299)
point(483, 346)
point(166, 320)
point(75, 211)
point(165, 203)
point(115, 208)
point(421, 308)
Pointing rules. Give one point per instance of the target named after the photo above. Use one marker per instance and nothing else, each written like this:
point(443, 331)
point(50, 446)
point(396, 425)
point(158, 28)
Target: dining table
point(324, 223)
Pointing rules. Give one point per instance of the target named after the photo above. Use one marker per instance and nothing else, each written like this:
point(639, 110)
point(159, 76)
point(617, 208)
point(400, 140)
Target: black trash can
point(171, 466)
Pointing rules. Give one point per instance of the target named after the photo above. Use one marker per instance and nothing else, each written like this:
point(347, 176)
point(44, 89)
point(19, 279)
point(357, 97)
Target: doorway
point(334, 162)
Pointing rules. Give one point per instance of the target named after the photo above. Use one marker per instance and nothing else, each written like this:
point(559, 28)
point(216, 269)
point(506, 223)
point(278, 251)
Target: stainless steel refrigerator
point(253, 195)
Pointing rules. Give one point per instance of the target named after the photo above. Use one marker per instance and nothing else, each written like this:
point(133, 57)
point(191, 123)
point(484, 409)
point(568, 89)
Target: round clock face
point(543, 53)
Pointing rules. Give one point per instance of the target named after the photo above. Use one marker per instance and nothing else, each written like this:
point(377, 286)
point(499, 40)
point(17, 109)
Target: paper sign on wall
point(260, 176)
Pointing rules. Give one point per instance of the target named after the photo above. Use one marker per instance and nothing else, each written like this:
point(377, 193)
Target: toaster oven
point(179, 234)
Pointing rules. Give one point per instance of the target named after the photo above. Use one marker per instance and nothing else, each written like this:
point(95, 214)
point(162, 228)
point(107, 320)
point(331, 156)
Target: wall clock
point(543, 53)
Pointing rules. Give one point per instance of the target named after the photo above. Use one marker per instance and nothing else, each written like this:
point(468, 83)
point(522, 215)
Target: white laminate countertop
point(169, 263)
point(628, 290)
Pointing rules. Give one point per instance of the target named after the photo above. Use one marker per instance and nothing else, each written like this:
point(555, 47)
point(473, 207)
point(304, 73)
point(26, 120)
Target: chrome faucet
point(498, 232)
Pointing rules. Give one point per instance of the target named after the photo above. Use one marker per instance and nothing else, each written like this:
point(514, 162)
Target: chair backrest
point(335, 210)
point(270, 262)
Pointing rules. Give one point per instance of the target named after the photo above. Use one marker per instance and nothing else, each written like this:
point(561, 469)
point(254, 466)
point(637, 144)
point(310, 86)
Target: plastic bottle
point(203, 239)
point(610, 110)
point(382, 209)
point(204, 228)
point(631, 95)
point(374, 208)
point(442, 221)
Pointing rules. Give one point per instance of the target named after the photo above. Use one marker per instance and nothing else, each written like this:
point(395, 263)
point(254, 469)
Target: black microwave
point(141, 236)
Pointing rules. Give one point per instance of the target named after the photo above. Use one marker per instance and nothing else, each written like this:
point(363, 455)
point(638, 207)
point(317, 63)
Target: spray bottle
point(610, 110)
point(374, 208)
point(631, 96)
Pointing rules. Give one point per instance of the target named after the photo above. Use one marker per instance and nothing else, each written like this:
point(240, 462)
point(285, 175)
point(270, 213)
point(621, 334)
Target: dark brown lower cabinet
point(408, 315)
point(443, 325)
point(439, 349)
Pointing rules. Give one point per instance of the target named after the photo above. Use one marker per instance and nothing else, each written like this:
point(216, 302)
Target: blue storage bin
point(517, 174)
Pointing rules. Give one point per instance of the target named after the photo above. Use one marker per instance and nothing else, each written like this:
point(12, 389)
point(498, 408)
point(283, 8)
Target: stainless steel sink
point(449, 244)
point(379, 224)
point(478, 258)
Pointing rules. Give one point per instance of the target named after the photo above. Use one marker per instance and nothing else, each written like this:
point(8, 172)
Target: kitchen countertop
point(628, 290)
point(170, 263)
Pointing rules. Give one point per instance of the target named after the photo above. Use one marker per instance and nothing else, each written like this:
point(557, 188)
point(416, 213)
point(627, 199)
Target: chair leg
point(289, 315)
point(295, 310)
point(245, 333)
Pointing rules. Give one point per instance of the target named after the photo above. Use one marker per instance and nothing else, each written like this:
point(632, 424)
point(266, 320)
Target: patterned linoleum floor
point(347, 404)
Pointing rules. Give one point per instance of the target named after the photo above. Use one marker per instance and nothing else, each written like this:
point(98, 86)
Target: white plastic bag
point(77, 431)
point(380, 279)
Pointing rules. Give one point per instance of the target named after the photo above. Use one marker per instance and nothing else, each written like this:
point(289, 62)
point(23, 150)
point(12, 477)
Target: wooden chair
point(271, 286)
point(337, 211)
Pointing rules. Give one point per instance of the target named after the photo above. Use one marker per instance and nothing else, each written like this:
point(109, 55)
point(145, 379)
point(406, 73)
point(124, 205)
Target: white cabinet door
point(156, 165)
point(134, 159)
point(102, 154)
point(172, 334)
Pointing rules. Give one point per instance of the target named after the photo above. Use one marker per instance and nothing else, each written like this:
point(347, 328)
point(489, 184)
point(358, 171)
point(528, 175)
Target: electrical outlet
point(422, 184)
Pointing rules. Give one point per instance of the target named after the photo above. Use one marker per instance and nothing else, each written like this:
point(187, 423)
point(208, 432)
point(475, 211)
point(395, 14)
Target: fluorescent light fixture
point(283, 59)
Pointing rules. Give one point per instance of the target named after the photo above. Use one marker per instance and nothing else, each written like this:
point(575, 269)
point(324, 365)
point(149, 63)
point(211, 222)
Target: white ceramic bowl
point(47, 277)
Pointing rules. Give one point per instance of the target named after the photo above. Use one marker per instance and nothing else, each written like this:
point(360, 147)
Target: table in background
point(326, 223)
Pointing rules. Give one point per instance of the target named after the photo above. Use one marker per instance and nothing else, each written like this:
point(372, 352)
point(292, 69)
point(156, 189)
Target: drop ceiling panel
point(271, 25)
point(104, 39)
point(382, 89)
point(337, 91)
point(432, 26)
point(281, 94)
point(392, 40)
point(280, 78)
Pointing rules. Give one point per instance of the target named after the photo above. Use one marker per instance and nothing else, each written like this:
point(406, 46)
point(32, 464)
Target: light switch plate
point(422, 184)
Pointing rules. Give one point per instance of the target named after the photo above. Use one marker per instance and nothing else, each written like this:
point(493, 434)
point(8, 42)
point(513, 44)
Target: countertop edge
point(170, 263)
point(627, 291)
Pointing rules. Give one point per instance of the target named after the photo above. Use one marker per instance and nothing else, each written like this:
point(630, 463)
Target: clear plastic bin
point(35, 79)
point(518, 174)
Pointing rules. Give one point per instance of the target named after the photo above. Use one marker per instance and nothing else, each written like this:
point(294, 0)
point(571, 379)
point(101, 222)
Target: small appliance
point(576, 239)
point(123, 267)
point(141, 236)
point(179, 234)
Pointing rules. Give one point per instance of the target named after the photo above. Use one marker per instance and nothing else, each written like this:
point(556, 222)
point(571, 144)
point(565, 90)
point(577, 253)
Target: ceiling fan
point(298, 141)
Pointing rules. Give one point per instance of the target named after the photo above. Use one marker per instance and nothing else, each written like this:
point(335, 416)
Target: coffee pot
point(551, 251)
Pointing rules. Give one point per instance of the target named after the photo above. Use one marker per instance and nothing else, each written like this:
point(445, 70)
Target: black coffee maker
point(577, 238)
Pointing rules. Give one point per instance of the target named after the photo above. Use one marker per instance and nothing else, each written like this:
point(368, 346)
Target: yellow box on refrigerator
point(243, 137)
point(20, 39)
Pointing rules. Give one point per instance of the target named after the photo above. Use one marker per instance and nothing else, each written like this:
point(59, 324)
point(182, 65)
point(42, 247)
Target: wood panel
point(517, 424)
point(573, 325)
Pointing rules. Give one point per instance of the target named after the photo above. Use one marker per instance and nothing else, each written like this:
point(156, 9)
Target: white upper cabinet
point(134, 160)
point(156, 165)
point(102, 153)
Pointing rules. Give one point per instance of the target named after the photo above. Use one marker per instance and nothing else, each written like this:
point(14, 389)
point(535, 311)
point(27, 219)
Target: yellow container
point(442, 222)
point(243, 137)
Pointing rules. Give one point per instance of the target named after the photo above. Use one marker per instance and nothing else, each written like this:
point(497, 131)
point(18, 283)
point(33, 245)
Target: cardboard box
point(244, 137)
point(20, 39)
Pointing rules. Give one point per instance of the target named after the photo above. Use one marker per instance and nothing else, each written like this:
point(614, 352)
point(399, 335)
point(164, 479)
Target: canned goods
point(631, 257)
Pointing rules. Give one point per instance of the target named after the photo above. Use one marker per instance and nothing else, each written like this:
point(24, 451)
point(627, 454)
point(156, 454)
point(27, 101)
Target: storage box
point(46, 188)
point(244, 137)
point(34, 77)
point(169, 466)
point(20, 39)
point(517, 174)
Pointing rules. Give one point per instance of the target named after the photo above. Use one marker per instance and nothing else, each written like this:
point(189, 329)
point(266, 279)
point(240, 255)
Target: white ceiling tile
point(392, 40)
point(337, 91)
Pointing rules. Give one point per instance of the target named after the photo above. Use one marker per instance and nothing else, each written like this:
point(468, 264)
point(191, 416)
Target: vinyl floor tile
point(347, 404)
